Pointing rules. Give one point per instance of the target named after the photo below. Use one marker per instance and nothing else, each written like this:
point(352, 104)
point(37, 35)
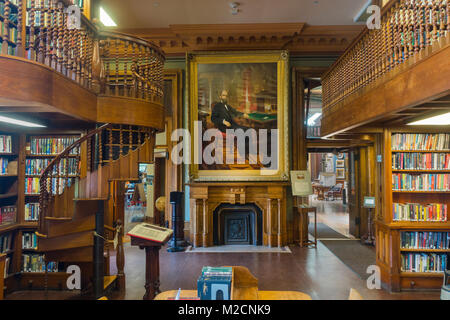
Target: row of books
point(5, 242)
point(5, 144)
point(3, 166)
point(31, 212)
point(29, 240)
point(419, 212)
point(423, 262)
point(37, 166)
point(421, 161)
point(46, 3)
point(36, 263)
point(421, 141)
point(32, 185)
point(8, 215)
point(214, 283)
point(421, 182)
point(425, 240)
point(216, 271)
point(51, 146)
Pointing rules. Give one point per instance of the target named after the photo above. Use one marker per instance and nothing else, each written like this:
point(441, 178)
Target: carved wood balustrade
point(108, 63)
point(408, 27)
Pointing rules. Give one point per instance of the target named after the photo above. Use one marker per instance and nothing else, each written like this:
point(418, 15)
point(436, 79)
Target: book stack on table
point(215, 283)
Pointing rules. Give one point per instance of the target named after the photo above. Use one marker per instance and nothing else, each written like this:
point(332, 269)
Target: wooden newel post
point(5, 35)
point(120, 259)
point(97, 67)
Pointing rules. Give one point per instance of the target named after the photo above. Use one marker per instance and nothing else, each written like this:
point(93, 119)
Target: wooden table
point(303, 212)
point(320, 189)
point(244, 287)
point(262, 295)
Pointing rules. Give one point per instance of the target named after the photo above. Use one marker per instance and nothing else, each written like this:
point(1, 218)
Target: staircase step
point(76, 255)
point(59, 228)
point(58, 219)
point(76, 240)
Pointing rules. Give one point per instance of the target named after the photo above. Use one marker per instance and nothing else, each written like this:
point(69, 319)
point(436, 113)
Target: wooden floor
point(317, 272)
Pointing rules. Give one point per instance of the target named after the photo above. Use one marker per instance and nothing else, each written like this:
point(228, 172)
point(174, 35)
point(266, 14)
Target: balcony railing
point(408, 27)
point(107, 63)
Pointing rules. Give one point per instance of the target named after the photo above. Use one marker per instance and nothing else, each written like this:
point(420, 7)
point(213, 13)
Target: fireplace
point(254, 211)
point(237, 224)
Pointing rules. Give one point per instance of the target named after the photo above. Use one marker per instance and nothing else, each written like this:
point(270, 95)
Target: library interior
point(216, 150)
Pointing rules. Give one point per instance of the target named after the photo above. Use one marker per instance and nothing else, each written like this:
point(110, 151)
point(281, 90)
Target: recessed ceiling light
point(106, 19)
point(441, 120)
point(20, 122)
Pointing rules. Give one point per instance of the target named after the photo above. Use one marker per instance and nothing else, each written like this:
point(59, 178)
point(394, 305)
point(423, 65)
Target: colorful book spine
point(421, 161)
point(37, 166)
point(52, 146)
point(5, 144)
point(425, 240)
point(8, 215)
point(3, 166)
point(32, 212)
point(5, 242)
point(435, 212)
point(36, 263)
point(421, 141)
point(32, 185)
point(29, 240)
point(423, 262)
point(421, 182)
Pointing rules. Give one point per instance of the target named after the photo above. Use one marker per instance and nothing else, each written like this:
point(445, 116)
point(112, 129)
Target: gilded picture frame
point(281, 59)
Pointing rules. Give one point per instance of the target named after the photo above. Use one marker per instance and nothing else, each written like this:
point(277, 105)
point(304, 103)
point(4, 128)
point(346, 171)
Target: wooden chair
point(334, 193)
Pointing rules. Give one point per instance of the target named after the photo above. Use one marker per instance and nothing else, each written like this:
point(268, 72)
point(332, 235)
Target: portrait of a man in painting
point(238, 96)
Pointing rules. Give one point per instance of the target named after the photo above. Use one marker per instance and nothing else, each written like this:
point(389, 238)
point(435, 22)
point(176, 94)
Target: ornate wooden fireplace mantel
point(270, 197)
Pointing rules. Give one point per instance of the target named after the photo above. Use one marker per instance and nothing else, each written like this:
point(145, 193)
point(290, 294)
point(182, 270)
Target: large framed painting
point(239, 116)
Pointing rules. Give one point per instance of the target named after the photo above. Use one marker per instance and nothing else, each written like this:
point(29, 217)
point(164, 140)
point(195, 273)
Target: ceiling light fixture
point(440, 120)
point(234, 8)
point(20, 122)
point(106, 19)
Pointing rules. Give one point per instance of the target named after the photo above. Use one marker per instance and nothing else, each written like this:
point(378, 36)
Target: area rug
point(353, 254)
point(325, 232)
point(238, 249)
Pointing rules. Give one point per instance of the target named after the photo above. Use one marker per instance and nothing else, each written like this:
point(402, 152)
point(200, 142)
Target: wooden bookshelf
point(12, 192)
point(389, 230)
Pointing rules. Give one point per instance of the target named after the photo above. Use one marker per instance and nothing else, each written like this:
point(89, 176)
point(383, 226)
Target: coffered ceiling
point(163, 13)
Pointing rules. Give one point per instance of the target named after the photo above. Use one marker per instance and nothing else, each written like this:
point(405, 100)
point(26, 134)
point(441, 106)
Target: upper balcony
point(403, 65)
point(85, 73)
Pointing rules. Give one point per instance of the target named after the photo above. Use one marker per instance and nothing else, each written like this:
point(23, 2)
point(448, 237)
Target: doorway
point(329, 175)
point(138, 195)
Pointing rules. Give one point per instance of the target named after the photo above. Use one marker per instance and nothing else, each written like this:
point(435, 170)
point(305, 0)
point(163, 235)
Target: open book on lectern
point(151, 232)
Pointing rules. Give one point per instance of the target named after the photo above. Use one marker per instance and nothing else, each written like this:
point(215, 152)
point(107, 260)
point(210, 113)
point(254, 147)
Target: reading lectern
point(150, 238)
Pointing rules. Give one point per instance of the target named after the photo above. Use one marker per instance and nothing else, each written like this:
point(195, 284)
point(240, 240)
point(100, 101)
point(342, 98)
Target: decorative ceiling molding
point(298, 38)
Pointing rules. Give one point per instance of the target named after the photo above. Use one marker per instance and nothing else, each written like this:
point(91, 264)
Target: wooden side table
point(303, 212)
